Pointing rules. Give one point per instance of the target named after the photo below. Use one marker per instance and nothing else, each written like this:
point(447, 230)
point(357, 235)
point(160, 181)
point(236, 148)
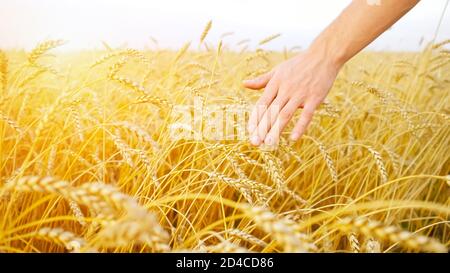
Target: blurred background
point(24, 23)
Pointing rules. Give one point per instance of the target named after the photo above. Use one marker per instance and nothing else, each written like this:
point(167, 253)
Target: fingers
point(269, 118)
point(259, 82)
point(303, 122)
point(273, 137)
point(261, 106)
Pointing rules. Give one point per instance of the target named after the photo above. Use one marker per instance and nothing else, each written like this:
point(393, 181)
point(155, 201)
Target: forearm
point(305, 80)
point(356, 27)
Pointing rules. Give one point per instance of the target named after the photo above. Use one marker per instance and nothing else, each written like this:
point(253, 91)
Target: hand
point(300, 82)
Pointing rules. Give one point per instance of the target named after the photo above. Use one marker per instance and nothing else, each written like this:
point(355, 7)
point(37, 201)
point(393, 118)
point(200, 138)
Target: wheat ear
point(393, 234)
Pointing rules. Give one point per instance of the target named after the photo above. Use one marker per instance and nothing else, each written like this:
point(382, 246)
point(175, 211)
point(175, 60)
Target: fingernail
point(295, 136)
point(255, 140)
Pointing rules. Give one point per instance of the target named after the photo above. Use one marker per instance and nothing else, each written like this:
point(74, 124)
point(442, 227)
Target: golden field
point(88, 164)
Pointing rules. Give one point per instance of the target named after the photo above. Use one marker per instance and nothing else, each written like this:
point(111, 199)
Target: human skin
point(306, 79)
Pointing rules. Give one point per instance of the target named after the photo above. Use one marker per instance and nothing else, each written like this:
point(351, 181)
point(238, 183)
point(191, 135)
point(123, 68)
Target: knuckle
point(302, 123)
point(285, 116)
point(316, 101)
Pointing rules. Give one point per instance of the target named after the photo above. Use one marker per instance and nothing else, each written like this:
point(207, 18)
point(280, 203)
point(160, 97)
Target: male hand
point(300, 82)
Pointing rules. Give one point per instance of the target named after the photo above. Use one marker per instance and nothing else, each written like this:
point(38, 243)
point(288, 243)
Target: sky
point(85, 23)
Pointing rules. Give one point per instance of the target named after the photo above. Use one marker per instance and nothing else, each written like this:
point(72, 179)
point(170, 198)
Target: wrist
point(327, 52)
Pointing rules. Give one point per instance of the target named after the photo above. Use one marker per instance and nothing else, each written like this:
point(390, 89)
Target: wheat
point(246, 236)
point(393, 234)
point(226, 247)
point(52, 185)
point(273, 168)
point(42, 48)
point(379, 161)
point(99, 123)
point(235, 183)
point(99, 194)
point(32, 77)
point(282, 229)
point(76, 118)
point(58, 235)
point(395, 159)
point(48, 115)
point(79, 158)
point(114, 69)
point(241, 42)
point(160, 102)
point(11, 123)
point(124, 232)
point(125, 150)
point(77, 212)
point(441, 44)
point(258, 54)
point(354, 243)
point(205, 31)
point(268, 39)
point(328, 161)
point(3, 71)
point(37, 184)
point(105, 58)
point(226, 34)
point(203, 86)
point(141, 132)
point(139, 88)
point(288, 150)
point(51, 160)
point(197, 65)
point(181, 52)
point(372, 246)
point(294, 196)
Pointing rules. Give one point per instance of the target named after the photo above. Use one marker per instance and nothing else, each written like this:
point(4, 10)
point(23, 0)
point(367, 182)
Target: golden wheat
point(87, 152)
point(394, 234)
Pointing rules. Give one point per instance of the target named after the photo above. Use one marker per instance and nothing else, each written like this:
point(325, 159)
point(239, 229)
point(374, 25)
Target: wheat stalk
point(37, 184)
point(205, 31)
point(124, 149)
point(60, 236)
point(226, 247)
point(43, 48)
point(268, 39)
point(3, 71)
point(246, 236)
point(379, 161)
point(32, 77)
point(145, 230)
point(282, 229)
point(354, 243)
point(328, 161)
point(181, 52)
point(372, 246)
point(273, 168)
point(393, 234)
point(11, 123)
point(77, 212)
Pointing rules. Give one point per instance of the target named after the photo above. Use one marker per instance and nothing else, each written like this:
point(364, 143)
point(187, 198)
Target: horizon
point(25, 23)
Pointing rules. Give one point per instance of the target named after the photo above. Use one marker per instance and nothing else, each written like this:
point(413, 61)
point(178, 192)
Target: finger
point(269, 117)
point(303, 122)
point(261, 106)
point(286, 114)
point(257, 112)
point(258, 82)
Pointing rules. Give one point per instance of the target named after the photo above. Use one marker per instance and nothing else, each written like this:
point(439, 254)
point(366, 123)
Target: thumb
point(258, 82)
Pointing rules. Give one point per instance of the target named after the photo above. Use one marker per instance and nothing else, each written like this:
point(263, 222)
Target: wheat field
point(88, 164)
